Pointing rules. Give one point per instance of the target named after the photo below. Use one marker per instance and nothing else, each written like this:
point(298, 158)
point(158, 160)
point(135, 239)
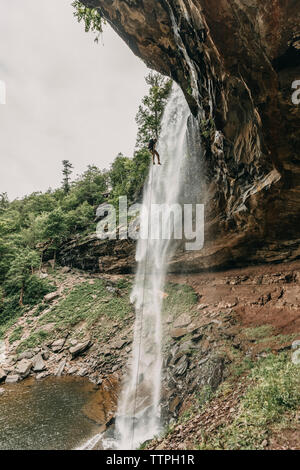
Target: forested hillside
point(34, 228)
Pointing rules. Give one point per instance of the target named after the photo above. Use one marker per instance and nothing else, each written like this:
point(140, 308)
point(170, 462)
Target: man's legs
point(155, 152)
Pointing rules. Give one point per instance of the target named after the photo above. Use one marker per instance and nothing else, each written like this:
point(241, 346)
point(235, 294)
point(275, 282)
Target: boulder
point(3, 375)
point(2, 391)
point(83, 372)
point(66, 269)
point(38, 363)
point(296, 357)
point(42, 375)
point(26, 355)
point(182, 321)
point(58, 344)
point(45, 354)
point(296, 344)
point(60, 368)
point(23, 368)
point(181, 366)
point(52, 296)
point(12, 379)
point(79, 348)
point(177, 333)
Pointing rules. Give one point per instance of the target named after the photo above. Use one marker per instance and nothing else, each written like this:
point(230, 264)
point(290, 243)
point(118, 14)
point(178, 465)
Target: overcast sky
point(66, 97)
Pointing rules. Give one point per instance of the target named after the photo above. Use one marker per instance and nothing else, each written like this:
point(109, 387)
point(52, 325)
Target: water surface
point(47, 414)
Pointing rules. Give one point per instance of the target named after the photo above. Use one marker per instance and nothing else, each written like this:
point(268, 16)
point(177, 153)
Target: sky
point(66, 96)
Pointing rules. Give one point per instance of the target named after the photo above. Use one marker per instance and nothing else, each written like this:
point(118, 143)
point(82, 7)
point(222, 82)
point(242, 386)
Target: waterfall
point(138, 416)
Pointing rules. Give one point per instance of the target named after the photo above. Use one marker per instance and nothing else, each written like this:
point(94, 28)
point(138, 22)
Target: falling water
point(138, 417)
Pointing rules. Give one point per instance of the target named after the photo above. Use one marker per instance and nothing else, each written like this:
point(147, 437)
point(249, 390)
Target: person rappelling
point(152, 148)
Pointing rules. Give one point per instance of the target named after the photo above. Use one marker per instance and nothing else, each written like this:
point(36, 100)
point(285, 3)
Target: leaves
point(151, 111)
point(92, 18)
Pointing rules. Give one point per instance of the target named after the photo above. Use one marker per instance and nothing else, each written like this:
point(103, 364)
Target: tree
point(67, 171)
point(55, 229)
point(21, 267)
point(4, 202)
point(150, 112)
point(90, 186)
point(92, 18)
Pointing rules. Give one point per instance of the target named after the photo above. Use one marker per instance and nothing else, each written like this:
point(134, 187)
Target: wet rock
point(12, 379)
point(23, 368)
point(2, 375)
point(42, 375)
point(178, 333)
point(52, 296)
point(38, 363)
point(79, 348)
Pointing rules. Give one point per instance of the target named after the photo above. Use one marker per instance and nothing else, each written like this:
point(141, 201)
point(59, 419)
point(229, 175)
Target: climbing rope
point(142, 313)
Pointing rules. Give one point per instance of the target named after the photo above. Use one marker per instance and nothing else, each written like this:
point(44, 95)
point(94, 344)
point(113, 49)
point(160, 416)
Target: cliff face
point(236, 61)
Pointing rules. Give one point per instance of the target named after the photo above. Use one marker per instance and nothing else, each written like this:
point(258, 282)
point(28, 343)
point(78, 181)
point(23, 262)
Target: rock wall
point(235, 61)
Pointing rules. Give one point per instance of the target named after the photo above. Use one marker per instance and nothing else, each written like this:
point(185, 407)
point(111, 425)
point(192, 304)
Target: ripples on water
point(46, 415)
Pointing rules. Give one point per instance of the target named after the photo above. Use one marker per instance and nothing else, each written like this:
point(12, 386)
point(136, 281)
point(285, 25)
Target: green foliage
point(10, 310)
point(259, 332)
point(66, 171)
point(180, 298)
point(22, 265)
point(150, 112)
point(127, 176)
point(207, 127)
point(16, 334)
point(33, 341)
point(87, 302)
point(274, 391)
point(35, 289)
point(92, 18)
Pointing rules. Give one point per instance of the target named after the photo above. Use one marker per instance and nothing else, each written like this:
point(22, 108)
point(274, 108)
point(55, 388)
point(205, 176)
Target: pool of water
point(46, 415)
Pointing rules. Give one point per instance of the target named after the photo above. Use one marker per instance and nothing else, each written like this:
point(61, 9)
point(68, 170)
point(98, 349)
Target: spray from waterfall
point(139, 416)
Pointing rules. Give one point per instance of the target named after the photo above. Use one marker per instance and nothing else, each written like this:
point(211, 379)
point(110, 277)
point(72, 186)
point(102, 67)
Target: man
point(151, 147)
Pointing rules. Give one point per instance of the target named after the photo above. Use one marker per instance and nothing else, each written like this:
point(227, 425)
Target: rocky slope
point(235, 61)
point(218, 327)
